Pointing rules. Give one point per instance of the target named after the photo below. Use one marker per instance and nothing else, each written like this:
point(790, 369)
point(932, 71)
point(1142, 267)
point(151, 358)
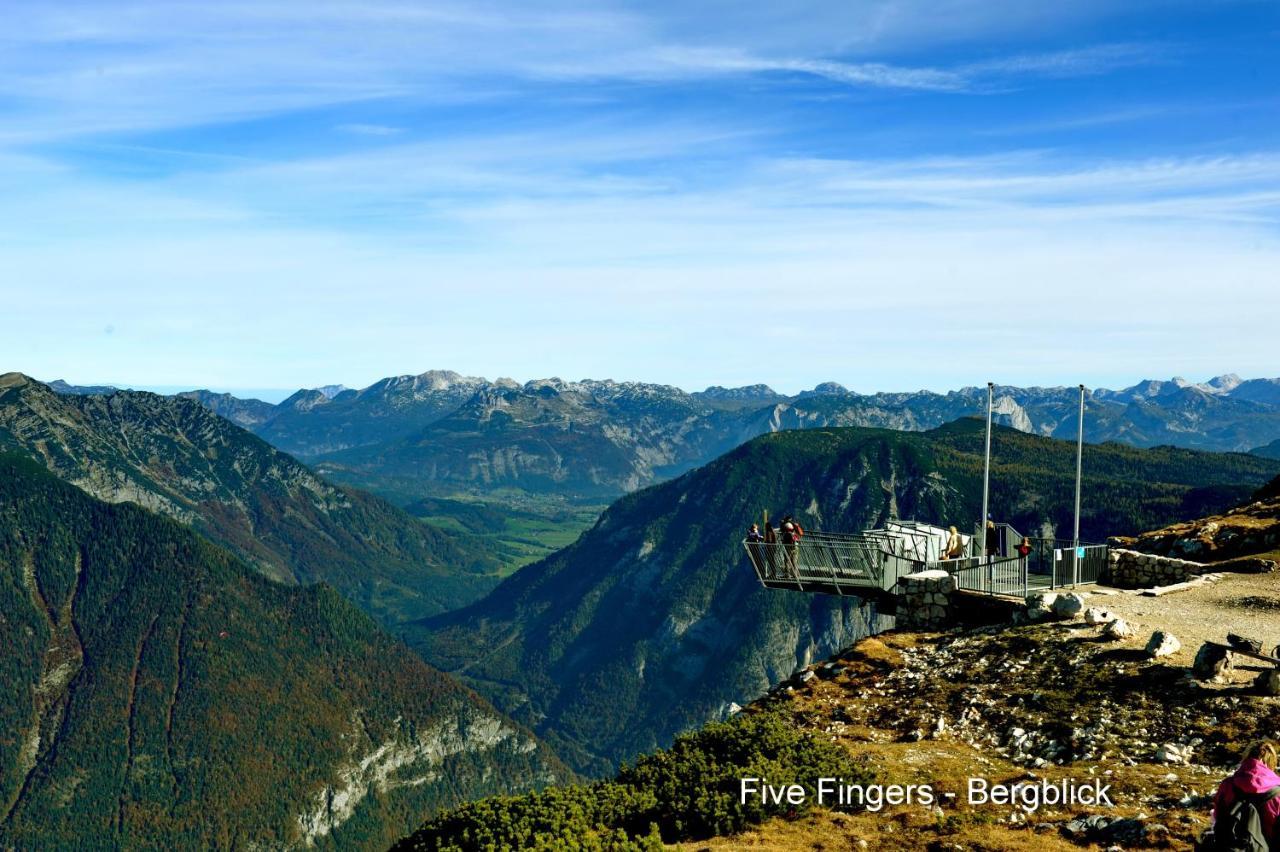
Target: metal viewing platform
point(871, 562)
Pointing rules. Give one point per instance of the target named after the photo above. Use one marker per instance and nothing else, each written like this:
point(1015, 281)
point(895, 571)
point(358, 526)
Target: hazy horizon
point(276, 395)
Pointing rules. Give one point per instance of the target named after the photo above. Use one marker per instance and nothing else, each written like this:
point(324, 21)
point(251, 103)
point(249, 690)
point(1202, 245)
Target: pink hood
point(1252, 777)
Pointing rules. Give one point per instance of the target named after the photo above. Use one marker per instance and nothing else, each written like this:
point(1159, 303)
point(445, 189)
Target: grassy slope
point(1095, 709)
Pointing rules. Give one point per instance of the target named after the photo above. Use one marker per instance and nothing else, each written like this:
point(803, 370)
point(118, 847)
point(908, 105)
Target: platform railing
point(1050, 564)
point(991, 576)
point(840, 564)
point(852, 564)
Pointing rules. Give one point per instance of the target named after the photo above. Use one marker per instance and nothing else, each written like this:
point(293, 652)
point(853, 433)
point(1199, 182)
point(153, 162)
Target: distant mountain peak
point(554, 383)
point(825, 389)
point(439, 380)
point(1225, 383)
point(759, 391)
point(64, 387)
point(305, 399)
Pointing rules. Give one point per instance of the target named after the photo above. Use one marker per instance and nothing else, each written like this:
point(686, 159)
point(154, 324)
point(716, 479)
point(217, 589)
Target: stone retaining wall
point(924, 600)
point(1129, 569)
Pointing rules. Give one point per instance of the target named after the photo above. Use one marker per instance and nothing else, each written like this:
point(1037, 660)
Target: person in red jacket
point(1256, 777)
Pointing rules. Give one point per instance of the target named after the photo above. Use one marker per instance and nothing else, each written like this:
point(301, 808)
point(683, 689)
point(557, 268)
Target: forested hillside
point(653, 621)
point(174, 456)
point(156, 692)
point(687, 792)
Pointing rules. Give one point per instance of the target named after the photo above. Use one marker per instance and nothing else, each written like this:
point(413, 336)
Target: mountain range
point(173, 455)
point(653, 621)
point(157, 692)
point(442, 434)
point(648, 625)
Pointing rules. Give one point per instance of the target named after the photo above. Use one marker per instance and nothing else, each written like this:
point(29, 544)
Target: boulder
point(1213, 663)
point(1040, 605)
point(1098, 615)
point(1069, 605)
point(1173, 753)
point(1118, 629)
point(1268, 683)
point(1163, 644)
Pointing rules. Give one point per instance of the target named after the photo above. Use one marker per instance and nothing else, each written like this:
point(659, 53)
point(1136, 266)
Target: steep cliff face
point(155, 692)
point(414, 756)
point(175, 457)
point(654, 622)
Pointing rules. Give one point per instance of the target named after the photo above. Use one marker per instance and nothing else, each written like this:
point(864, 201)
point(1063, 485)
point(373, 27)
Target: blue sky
point(892, 194)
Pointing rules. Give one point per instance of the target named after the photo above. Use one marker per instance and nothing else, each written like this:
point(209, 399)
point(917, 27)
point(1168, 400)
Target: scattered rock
point(1118, 629)
point(1213, 663)
point(1173, 753)
point(1068, 605)
point(1097, 828)
point(1098, 615)
point(1163, 644)
point(1040, 605)
point(1268, 682)
point(1244, 644)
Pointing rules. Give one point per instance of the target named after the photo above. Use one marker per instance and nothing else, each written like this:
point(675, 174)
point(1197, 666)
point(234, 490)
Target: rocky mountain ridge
point(440, 432)
point(172, 455)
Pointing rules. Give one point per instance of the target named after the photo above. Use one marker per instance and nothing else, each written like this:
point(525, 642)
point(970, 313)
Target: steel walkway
point(871, 562)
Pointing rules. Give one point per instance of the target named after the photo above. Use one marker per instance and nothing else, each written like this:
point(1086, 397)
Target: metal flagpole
point(1075, 537)
point(986, 475)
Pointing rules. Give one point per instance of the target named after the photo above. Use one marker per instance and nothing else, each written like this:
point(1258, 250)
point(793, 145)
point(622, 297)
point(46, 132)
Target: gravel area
point(1247, 604)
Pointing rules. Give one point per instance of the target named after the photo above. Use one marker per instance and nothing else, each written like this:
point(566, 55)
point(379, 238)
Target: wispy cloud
point(370, 129)
point(864, 74)
point(1076, 62)
point(80, 68)
point(619, 187)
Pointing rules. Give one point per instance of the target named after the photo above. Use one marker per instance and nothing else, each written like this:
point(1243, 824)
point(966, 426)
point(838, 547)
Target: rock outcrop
point(1163, 644)
point(1250, 529)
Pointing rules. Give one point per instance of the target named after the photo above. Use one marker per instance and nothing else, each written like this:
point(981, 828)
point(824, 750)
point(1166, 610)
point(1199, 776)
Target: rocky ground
point(1246, 604)
point(1052, 701)
point(1239, 534)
